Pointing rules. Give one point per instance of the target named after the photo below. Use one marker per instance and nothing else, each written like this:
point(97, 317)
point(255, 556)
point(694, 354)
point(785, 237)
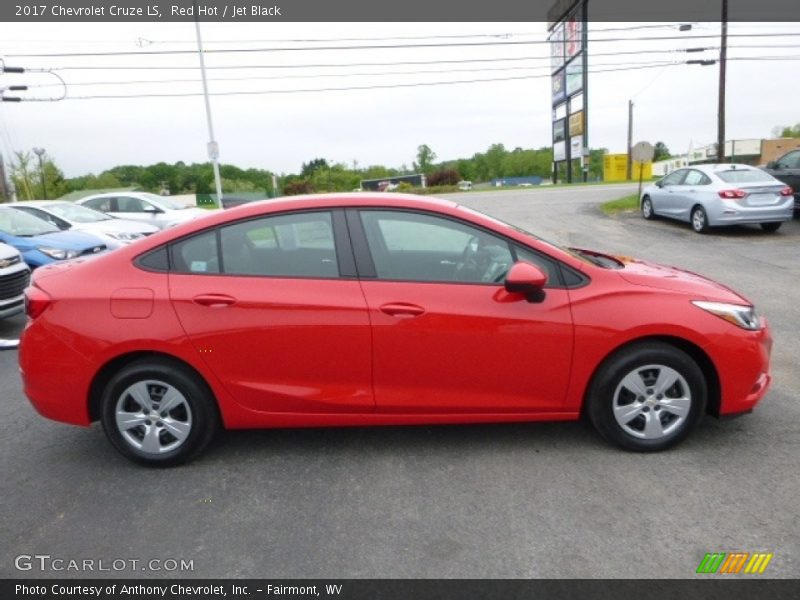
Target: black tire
point(612, 405)
point(699, 219)
point(771, 227)
point(192, 415)
point(647, 208)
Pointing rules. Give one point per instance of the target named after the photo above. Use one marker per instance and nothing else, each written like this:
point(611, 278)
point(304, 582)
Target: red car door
point(268, 310)
point(447, 337)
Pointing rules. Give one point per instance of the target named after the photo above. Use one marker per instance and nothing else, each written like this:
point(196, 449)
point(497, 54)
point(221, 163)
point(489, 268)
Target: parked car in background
point(15, 275)
point(70, 216)
point(719, 194)
point(42, 243)
point(787, 170)
point(380, 309)
point(160, 211)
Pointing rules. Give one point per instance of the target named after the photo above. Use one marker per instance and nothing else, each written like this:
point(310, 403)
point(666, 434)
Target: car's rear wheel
point(699, 219)
point(771, 227)
point(647, 397)
point(158, 413)
point(647, 208)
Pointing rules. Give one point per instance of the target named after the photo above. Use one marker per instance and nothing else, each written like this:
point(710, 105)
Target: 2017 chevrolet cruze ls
point(376, 309)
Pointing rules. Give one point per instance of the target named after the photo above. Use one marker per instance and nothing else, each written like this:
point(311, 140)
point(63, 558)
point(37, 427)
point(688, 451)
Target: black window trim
point(345, 260)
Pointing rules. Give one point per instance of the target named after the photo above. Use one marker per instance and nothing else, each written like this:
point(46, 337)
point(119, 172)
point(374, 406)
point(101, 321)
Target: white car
point(69, 216)
point(160, 211)
point(14, 278)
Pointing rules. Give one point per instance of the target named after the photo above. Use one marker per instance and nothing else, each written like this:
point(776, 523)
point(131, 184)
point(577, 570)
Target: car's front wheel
point(647, 397)
point(699, 219)
point(158, 413)
point(771, 227)
point(647, 208)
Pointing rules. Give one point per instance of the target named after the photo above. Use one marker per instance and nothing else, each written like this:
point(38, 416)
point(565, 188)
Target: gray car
point(719, 194)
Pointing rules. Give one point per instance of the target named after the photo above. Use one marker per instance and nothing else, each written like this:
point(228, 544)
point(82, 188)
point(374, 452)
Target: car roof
point(40, 203)
point(717, 167)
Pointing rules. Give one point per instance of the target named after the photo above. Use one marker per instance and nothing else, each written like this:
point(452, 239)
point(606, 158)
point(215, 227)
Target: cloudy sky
point(295, 122)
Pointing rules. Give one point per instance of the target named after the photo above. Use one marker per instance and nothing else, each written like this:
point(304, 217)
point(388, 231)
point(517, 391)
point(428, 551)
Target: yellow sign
point(576, 123)
point(615, 168)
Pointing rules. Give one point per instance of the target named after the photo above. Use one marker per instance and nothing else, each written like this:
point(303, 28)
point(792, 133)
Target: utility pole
point(213, 147)
point(40, 152)
point(629, 168)
point(723, 55)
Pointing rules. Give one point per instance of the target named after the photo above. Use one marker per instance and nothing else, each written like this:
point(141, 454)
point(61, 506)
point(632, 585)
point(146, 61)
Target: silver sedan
point(719, 194)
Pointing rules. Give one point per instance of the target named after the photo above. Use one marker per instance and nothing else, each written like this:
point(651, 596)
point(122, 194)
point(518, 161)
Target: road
point(519, 501)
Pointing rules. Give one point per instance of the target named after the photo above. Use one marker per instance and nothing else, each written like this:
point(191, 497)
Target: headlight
point(58, 253)
point(745, 317)
point(123, 236)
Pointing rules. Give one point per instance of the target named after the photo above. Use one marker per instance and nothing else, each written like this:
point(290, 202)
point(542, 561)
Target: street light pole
point(40, 152)
point(213, 147)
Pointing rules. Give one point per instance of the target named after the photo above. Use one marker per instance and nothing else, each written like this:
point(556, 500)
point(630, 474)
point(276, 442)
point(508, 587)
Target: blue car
point(42, 243)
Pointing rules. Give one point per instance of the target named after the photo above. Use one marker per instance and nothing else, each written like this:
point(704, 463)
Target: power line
point(349, 88)
point(377, 46)
point(359, 74)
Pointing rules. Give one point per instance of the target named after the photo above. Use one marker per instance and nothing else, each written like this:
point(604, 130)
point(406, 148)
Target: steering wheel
point(468, 263)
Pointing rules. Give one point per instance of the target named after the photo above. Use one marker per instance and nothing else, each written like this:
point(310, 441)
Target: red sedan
point(376, 309)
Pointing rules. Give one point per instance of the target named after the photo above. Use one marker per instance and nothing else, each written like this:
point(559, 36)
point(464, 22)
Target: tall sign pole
point(569, 82)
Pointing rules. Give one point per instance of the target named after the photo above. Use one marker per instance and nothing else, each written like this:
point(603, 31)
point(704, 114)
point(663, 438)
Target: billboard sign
point(573, 36)
point(558, 92)
point(560, 151)
point(557, 48)
point(576, 123)
point(559, 130)
point(574, 77)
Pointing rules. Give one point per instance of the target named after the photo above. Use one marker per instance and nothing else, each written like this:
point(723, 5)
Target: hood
point(7, 251)
point(123, 225)
point(187, 213)
point(72, 240)
point(654, 275)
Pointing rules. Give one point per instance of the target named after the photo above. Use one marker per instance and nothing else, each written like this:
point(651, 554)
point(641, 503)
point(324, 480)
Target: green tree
point(425, 158)
point(661, 152)
point(786, 131)
point(26, 175)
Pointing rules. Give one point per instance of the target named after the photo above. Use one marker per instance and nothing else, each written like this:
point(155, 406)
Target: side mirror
point(526, 279)
point(660, 183)
point(773, 164)
point(149, 208)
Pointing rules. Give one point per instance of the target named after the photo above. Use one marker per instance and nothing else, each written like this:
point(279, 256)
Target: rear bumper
point(732, 213)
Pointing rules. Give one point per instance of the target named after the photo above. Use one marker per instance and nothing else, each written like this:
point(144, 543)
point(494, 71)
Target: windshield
point(76, 213)
point(164, 202)
point(745, 176)
point(21, 224)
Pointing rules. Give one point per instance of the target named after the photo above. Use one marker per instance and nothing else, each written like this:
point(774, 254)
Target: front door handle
point(402, 309)
point(214, 300)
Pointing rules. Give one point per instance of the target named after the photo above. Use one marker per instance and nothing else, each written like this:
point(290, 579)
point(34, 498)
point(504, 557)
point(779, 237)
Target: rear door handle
point(402, 309)
point(214, 300)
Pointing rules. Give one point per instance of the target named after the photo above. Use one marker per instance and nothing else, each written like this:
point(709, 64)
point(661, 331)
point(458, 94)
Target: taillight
point(787, 191)
point(36, 301)
point(732, 194)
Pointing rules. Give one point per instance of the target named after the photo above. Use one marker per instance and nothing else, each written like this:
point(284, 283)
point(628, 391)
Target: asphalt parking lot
point(518, 501)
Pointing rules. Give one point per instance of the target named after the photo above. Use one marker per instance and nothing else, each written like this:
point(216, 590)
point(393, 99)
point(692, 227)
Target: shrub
point(444, 177)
